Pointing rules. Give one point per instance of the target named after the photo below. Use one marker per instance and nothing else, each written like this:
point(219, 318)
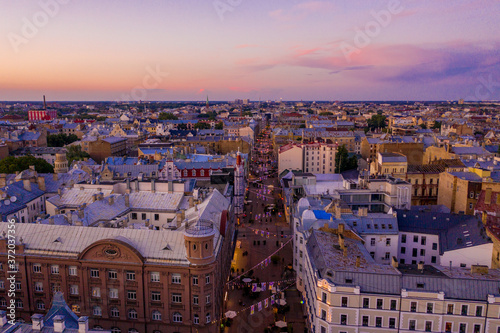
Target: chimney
point(420, 266)
point(394, 262)
point(191, 202)
point(3, 180)
point(153, 188)
point(3, 318)
point(487, 196)
point(83, 324)
point(479, 269)
point(341, 241)
point(341, 229)
point(37, 322)
point(358, 261)
point(27, 185)
point(128, 184)
point(137, 185)
point(51, 220)
point(338, 211)
point(126, 196)
point(41, 183)
point(111, 200)
point(59, 324)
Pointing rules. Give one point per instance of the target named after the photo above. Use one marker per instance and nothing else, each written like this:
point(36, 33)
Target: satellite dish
point(6, 202)
point(13, 198)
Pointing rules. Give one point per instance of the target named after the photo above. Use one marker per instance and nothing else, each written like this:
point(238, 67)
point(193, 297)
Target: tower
point(199, 242)
point(208, 104)
point(61, 162)
point(239, 184)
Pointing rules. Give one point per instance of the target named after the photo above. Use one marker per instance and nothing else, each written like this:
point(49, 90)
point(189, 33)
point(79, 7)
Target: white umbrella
point(246, 280)
point(230, 314)
point(281, 302)
point(280, 323)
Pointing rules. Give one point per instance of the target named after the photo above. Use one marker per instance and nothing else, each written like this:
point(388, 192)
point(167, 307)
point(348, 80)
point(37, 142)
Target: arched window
point(96, 310)
point(115, 312)
point(115, 330)
point(19, 303)
point(40, 305)
point(185, 173)
point(177, 317)
point(3, 302)
point(196, 319)
point(156, 315)
point(202, 173)
point(98, 328)
point(133, 330)
point(132, 314)
point(193, 172)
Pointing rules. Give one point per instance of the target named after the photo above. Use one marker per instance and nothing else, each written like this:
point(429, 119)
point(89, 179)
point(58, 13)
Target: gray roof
point(22, 197)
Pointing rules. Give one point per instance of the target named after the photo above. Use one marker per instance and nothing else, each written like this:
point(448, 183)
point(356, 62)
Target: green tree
point(12, 164)
point(343, 162)
point(326, 113)
point(201, 125)
point(219, 125)
point(167, 116)
point(437, 124)
point(423, 125)
point(61, 139)
point(377, 121)
point(75, 153)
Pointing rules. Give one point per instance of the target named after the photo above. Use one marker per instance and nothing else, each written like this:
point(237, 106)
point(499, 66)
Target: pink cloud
point(201, 90)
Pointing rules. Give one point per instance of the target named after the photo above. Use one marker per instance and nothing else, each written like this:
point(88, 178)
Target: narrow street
point(262, 232)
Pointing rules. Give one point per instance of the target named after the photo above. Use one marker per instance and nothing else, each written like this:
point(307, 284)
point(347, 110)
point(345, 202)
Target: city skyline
point(295, 50)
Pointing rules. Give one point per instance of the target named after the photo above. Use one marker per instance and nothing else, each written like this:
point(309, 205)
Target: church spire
point(207, 102)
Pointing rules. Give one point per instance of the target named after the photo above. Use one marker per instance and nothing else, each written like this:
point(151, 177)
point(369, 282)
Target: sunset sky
point(227, 49)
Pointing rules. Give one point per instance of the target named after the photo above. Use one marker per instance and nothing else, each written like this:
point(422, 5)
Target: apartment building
point(307, 157)
point(346, 291)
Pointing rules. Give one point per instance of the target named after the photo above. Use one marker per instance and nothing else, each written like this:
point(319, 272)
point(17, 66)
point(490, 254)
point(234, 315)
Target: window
point(428, 326)
point(132, 314)
point(463, 328)
point(96, 292)
point(73, 289)
point(430, 307)
point(94, 273)
point(113, 275)
point(134, 216)
point(130, 276)
point(323, 315)
point(471, 194)
point(54, 269)
point(113, 293)
point(323, 297)
point(403, 238)
point(155, 296)
point(115, 312)
point(380, 303)
point(387, 256)
point(176, 278)
point(413, 307)
point(207, 299)
point(55, 287)
point(156, 315)
point(157, 217)
point(40, 305)
point(19, 303)
point(393, 304)
point(155, 276)
point(176, 298)
point(447, 327)
point(465, 309)
point(97, 311)
point(433, 259)
point(365, 320)
point(115, 330)
point(3, 302)
point(344, 302)
point(37, 268)
point(323, 329)
point(39, 286)
point(195, 280)
point(403, 250)
point(378, 321)
point(18, 285)
point(366, 303)
point(422, 252)
point(392, 322)
point(177, 317)
point(414, 253)
point(131, 295)
point(343, 319)
point(195, 300)
point(372, 242)
point(388, 242)
point(207, 279)
point(415, 239)
point(72, 270)
point(423, 240)
point(477, 328)
point(75, 308)
point(143, 216)
point(301, 254)
point(434, 246)
point(196, 319)
point(479, 311)
point(411, 325)
point(2, 284)
point(450, 309)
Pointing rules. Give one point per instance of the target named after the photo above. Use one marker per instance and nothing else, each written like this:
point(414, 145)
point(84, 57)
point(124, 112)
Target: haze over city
point(294, 50)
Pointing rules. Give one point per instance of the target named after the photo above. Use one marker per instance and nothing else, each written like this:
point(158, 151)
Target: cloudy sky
point(227, 49)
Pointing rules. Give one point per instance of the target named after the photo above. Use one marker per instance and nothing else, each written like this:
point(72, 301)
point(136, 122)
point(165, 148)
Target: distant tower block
point(239, 185)
point(61, 163)
point(199, 242)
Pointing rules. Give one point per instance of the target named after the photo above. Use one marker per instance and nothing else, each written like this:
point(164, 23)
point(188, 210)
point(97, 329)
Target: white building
point(307, 157)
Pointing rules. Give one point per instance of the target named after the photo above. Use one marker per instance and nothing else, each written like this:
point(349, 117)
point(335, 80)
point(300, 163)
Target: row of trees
point(12, 164)
point(60, 140)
